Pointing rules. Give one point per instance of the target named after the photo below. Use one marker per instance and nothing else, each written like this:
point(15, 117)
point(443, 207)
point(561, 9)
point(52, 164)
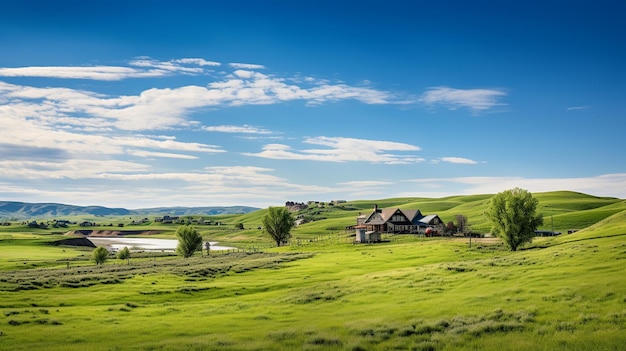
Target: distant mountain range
point(25, 210)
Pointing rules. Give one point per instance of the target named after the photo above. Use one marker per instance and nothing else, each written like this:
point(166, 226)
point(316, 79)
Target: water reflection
point(145, 244)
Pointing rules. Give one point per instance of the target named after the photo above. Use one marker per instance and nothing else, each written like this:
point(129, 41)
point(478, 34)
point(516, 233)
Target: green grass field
point(560, 293)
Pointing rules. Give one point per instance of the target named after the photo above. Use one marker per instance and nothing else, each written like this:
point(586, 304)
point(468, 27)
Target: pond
point(145, 244)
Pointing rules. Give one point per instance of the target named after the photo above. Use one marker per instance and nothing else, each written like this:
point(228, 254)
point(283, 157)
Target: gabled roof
point(428, 219)
point(413, 215)
point(384, 215)
point(388, 212)
point(375, 218)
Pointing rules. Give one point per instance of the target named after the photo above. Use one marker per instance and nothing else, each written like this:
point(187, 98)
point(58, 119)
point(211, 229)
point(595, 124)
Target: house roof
point(377, 221)
point(387, 213)
point(415, 216)
point(428, 219)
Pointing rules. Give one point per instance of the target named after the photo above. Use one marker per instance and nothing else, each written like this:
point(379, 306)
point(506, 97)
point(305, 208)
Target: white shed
point(360, 234)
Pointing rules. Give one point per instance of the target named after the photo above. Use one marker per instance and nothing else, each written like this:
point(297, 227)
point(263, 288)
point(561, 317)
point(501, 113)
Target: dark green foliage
point(513, 217)
point(278, 223)
point(189, 241)
point(99, 255)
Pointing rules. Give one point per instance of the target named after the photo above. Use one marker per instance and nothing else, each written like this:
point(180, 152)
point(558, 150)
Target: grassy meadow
point(324, 293)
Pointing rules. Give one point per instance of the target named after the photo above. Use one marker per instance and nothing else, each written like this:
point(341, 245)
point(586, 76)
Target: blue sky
point(192, 103)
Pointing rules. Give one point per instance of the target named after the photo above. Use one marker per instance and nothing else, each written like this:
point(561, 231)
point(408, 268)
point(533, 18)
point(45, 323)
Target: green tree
point(124, 254)
point(278, 223)
point(99, 255)
point(189, 241)
point(513, 218)
point(239, 226)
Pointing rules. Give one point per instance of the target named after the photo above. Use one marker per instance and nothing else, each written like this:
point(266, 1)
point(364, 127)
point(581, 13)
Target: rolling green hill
point(563, 209)
point(560, 293)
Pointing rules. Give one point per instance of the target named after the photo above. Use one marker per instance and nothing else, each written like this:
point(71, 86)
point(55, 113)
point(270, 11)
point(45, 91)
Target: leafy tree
point(513, 217)
point(239, 226)
point(278, 223)
point(189, 241)
point(99, 255)
point(124, 254)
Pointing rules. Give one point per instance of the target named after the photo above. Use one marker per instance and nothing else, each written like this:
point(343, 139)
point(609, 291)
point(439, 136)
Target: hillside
point(25, 210)
point(563, 293)
point(562, 210)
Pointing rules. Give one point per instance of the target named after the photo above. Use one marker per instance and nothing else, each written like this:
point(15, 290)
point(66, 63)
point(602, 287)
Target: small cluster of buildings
point(166, 219)
point(369, 227)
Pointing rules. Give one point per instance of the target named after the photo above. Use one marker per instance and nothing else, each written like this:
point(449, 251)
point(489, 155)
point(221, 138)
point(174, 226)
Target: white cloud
point(476, 100)
point(343, 150)
point(459, 160)
point(244, 129)
point(249, 66)
point(143, 67)
point(33, 132)
point(67, 169)
point(244, 74)
point(197, 61)
point(94, 72)
point(164, 108)
point(144, 153)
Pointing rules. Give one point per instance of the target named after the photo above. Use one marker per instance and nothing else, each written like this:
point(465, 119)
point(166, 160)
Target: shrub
point(99, 255)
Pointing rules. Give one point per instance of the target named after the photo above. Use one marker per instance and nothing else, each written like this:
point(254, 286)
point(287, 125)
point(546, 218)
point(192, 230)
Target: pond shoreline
point(145, 244)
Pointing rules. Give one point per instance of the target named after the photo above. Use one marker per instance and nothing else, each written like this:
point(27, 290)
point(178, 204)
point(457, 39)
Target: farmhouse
point(398, 221)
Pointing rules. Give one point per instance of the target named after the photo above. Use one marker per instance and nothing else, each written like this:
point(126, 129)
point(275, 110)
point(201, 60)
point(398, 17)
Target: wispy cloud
point(341, 149)
point(246, 66)
point(143, 67)
point(459, 160)
point(144, 153)
point(573, 108)
point(475, 100)
point(181, 66)
point(244, 129)
point(197, 61)
point(163, 108)
point(90, 72)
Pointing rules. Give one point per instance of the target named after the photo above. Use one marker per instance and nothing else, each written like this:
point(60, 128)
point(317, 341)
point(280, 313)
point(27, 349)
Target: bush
point(189, 241)
point(124, 254)
point(100, 255)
